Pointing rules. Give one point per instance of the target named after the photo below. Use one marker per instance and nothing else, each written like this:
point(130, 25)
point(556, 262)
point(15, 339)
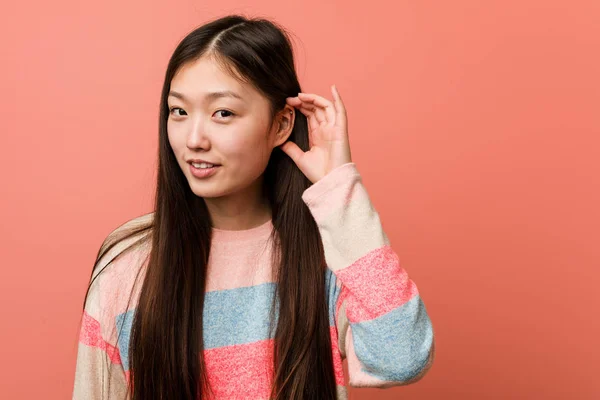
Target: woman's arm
point(383, 326)
point(99, 372)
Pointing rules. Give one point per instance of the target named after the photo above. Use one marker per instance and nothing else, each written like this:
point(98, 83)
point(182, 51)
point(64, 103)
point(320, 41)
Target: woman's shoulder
point(119, 269)
point(129, 238)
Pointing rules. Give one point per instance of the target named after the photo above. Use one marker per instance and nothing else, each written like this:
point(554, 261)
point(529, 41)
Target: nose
point(198, 136)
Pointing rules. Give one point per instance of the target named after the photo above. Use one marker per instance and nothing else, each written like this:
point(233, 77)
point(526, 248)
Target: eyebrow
point(210, 95)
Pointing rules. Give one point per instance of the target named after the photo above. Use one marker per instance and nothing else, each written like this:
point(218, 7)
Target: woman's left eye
point(225, 111)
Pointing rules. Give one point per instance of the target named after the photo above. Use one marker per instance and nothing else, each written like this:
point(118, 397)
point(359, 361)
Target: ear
point(285, 124)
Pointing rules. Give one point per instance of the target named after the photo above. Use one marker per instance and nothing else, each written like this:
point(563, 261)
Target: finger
point(320, 115)
point(292, 150)
point(310, 116)
point(313, 123)
point(306, 110)
point(315, 99)
point(326, 105)
point(293, 101)
point(327, 109)
point(296, 102)
point(317, 112)
point(336, 98)
point(339, 106)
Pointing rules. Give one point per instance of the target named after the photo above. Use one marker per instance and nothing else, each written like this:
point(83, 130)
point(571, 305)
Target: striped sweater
point(378, 321)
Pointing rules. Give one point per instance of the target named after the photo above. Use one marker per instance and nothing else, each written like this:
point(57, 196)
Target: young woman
point(264, 263)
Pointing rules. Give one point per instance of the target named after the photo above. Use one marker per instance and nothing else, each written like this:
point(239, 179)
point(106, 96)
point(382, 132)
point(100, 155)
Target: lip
point(203, 172)
point(198, 161)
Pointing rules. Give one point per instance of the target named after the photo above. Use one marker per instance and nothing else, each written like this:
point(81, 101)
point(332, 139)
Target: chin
point(206, 191)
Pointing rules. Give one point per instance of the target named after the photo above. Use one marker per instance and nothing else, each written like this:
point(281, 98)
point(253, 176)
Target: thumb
point(293, 151)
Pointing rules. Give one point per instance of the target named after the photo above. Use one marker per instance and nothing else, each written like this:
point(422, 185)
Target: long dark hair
point(166, 348)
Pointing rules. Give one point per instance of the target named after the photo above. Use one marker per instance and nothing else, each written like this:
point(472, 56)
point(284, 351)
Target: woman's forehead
point(206, 79)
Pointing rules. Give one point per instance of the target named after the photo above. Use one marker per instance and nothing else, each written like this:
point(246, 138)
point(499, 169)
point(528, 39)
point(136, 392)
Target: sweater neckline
point(257, 233)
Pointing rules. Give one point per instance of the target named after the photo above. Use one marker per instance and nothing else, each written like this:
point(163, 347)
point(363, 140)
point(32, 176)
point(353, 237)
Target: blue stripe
point(233, 316)
point(394, 346)
point(124, 322)
point(238, 316)
point(332, 293)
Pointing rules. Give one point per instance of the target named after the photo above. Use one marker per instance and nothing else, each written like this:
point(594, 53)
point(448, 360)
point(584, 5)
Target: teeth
point(202, 165)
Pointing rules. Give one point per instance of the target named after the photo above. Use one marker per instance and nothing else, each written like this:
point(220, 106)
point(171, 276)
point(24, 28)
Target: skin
point(242, 142)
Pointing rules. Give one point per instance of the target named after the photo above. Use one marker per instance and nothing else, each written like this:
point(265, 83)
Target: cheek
point(248, 150)
point(175, 139)
point(252, 160)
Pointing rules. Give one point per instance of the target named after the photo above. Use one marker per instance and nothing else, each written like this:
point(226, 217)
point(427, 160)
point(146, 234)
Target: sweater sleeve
point(99, 373)
point(384, 330)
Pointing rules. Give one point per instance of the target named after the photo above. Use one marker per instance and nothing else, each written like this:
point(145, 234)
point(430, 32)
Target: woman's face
point(215, 117)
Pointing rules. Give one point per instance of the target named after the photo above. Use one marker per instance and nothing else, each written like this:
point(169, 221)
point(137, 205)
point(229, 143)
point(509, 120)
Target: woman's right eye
point(175, 108)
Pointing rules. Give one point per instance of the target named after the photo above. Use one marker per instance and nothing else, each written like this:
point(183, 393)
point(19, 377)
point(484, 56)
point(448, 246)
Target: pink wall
point(474, 124)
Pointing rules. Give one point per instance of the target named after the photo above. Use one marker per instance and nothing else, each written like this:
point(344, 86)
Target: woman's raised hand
point(327, 133)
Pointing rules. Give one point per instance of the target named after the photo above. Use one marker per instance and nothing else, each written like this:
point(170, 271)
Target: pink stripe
point(337, 358)
point(375, 284)
point(246, 371)
point(241, 371)
point(90, 335)
point(343, 296)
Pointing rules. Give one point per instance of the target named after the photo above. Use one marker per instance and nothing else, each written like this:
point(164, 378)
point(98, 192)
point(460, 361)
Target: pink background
point(474, 124)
